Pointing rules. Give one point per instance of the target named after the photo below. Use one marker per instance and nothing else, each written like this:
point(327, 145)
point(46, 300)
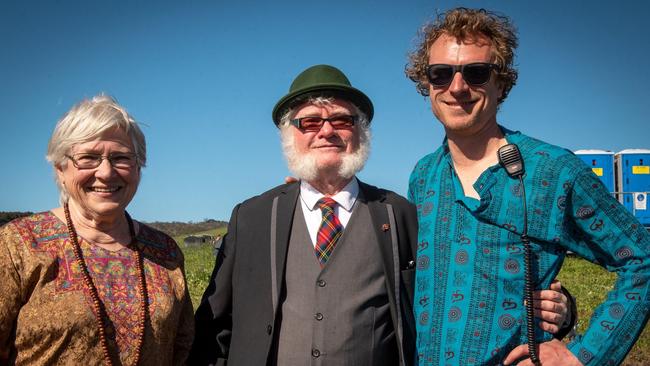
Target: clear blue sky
point(203, 76)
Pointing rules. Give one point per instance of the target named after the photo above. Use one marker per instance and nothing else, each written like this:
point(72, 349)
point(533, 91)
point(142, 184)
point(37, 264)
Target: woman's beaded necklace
point(98, 308)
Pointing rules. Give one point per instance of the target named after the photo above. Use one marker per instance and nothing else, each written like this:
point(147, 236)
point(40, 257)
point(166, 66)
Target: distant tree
point(5, 216)
point(176, 228)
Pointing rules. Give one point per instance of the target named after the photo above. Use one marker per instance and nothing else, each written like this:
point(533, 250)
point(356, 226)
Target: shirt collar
point(485, 181)
point(345, 198)
point(512, 137)
point(508, 133)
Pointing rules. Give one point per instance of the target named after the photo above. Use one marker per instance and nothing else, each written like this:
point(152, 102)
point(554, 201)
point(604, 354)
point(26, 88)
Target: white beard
point(305, 166)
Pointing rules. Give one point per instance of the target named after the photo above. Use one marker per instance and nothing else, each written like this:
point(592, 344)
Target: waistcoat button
point(318, 316)
point(321, 283)
point(315, 352)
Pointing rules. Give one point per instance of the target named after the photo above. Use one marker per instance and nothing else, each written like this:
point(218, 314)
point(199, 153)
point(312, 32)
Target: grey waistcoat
point(338, 315)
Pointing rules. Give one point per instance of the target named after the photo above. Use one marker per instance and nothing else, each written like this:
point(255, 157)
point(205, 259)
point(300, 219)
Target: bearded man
point(317, 272)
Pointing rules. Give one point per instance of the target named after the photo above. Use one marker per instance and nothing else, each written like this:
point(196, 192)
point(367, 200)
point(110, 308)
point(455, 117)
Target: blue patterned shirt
point(470, 264)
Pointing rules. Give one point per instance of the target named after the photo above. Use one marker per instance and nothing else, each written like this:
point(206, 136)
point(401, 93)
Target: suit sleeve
point(213, 317)
point(604, 232)
point(407, 223)
point(408, 245)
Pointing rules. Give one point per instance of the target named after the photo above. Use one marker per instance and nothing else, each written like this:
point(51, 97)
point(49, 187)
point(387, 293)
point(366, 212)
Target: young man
point(470, 260)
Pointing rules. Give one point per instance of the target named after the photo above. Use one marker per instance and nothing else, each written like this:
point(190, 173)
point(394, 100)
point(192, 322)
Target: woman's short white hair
point(87, 121)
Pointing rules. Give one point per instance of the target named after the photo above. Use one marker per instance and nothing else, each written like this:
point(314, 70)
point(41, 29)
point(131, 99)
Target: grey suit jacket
point(236, 319)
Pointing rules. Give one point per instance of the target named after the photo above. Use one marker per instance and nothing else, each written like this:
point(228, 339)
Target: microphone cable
point(510, 157)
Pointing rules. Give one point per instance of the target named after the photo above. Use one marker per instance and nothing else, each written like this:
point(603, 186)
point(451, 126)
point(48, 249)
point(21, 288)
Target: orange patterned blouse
point(46, 314)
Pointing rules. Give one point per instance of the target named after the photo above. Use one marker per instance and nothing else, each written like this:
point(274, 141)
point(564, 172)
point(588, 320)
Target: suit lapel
point(380, 223)
point(284, 206)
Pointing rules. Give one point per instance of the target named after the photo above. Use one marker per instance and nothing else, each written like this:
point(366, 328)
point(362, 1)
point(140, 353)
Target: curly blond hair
point(466, 25)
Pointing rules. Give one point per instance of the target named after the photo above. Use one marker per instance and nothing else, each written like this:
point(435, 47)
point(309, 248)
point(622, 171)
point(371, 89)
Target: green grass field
point(587, 282)
point(199, 262)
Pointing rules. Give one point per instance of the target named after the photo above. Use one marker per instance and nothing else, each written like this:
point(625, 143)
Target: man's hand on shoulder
point(553, 352)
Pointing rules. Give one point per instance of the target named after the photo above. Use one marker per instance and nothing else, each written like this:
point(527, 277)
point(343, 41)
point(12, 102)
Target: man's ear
point(501, 87)
point(501, 91)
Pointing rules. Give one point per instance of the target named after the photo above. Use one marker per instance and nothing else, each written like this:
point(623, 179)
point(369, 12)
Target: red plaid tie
point(329, 232)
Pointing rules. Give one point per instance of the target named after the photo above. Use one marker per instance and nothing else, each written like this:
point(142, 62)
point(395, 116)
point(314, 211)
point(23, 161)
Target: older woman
point(84, 283)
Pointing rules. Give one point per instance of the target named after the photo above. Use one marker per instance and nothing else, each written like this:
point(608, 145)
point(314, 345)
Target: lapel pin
point(385, 227)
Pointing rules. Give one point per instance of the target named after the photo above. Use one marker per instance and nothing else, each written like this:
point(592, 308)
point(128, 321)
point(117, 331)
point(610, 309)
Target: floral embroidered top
point(46, 314)
point(470, 262)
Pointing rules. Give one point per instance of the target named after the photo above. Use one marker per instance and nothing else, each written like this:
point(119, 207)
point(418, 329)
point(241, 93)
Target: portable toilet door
point(601, 163)
point(633, 181)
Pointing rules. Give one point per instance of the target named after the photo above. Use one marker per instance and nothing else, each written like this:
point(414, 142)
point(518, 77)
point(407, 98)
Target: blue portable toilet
point(601, 163)
point(633, 182)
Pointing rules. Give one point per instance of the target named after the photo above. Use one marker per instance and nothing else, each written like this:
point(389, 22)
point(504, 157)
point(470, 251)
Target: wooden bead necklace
point(98, 309)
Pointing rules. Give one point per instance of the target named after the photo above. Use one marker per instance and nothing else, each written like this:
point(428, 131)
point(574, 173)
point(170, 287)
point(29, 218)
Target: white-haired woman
point(85, 284)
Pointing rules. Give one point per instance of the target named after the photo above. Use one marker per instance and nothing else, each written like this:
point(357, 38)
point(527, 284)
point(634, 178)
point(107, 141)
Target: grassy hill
point(199, 261)
point(6, 216)
point(177, 228)
point(174, 228)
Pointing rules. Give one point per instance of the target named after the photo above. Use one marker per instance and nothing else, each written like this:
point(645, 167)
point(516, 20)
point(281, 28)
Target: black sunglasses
point(475, 74)
point(312, 124)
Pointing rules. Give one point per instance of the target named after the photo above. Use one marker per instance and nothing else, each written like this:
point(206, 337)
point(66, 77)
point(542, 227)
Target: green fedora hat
point(322, 80)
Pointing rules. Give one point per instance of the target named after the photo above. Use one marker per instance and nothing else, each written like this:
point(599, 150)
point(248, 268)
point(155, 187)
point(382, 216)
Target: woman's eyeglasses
point(92, 161)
